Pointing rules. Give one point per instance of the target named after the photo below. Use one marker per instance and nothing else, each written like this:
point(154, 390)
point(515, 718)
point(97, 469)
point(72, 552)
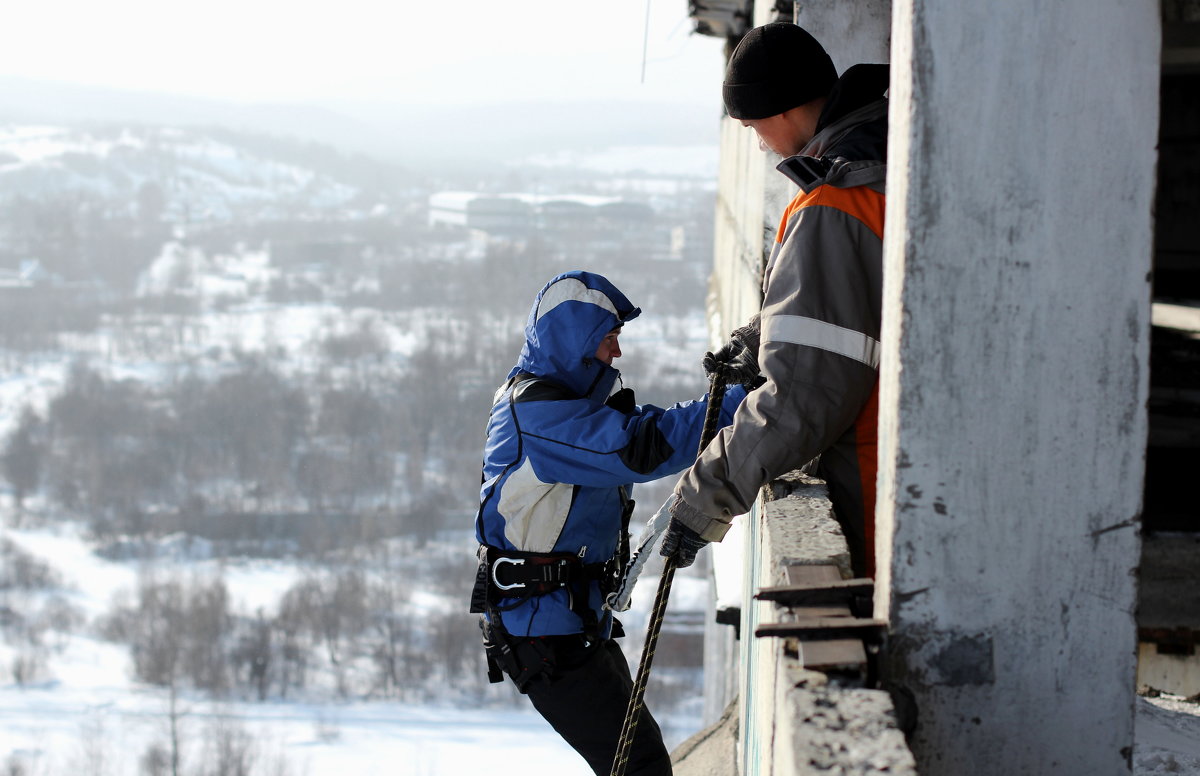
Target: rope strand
point(712, 414)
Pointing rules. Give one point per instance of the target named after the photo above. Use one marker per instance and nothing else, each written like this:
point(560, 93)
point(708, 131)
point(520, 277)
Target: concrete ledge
point(799, 528)
point(804, 721)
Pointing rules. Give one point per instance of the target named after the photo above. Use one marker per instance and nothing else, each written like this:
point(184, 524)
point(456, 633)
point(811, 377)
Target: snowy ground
point(1167, 737)
point(107, 729)
point(52, 730)
point(85, 714)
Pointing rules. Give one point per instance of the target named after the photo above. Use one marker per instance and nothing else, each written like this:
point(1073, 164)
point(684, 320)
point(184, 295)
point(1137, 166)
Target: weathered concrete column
point(851, 32)
point(1014, 378)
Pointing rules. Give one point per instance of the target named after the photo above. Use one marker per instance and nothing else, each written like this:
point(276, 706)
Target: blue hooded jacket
point(557, 455)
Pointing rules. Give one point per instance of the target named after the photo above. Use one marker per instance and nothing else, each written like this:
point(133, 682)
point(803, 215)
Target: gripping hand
point(737, 360)
point(681, 543)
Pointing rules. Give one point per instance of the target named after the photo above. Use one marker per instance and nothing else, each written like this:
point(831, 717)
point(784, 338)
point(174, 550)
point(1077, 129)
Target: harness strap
point(514, 576)
point(514, 573)
point(518, 576)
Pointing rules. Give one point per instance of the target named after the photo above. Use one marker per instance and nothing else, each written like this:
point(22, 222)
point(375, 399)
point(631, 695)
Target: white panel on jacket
point(534, 512)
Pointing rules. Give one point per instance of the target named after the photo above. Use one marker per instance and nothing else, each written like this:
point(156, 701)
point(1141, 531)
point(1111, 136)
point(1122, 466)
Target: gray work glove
point(738, 359)
point(682, 543)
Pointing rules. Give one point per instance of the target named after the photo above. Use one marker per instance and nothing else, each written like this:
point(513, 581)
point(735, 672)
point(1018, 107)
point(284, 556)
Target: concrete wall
point(750, 198)
point(1014, 378)
point(721, 644)
point(852, 32)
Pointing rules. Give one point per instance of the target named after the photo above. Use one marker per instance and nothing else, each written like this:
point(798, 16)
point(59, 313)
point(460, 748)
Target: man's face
point(609, 348)
point(776, 133)
point(789, 132)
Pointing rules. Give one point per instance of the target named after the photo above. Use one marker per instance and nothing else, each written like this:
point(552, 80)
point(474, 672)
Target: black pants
point(585, 702)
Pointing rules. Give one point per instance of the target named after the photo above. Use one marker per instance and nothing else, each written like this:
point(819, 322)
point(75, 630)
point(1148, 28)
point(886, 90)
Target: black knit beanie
point(775, 68)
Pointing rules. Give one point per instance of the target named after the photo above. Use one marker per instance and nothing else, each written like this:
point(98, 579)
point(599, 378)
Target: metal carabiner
point(496, 565)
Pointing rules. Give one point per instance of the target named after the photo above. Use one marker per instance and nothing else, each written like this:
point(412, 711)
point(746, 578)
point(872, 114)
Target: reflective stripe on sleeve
point(819, 334)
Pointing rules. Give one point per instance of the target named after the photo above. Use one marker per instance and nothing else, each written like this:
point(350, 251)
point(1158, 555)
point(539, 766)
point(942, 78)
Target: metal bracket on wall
point(826, 616)
point(826, 629)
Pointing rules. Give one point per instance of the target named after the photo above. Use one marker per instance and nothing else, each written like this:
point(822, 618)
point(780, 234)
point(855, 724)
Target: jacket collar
point(830, 136)
point(849, 152)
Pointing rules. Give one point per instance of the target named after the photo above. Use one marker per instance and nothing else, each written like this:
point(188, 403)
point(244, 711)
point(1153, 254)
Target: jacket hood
point(569, 318)
point(858, 87)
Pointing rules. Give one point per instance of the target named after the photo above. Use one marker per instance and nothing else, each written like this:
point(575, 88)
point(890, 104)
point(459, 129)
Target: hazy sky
point(433, 51)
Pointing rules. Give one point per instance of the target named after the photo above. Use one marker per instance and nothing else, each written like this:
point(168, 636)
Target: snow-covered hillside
point(191, 175)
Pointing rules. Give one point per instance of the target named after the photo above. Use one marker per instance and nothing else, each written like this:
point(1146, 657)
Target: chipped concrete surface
point(802, 530)
point(843, 730)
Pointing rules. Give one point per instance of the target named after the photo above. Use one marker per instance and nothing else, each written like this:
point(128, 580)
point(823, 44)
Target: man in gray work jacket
point(820, 316)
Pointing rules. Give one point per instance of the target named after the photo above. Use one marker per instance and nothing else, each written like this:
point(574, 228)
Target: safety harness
point(505, 579)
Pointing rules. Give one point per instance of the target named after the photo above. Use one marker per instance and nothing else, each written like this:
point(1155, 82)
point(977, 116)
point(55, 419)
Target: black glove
point(682, 543)
point(738, 359)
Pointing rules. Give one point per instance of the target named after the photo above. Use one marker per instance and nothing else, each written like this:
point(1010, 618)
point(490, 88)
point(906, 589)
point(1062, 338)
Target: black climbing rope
point(712, 414)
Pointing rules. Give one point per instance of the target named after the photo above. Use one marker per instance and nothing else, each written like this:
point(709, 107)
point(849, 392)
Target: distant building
point(579, 216)
point(507, 215)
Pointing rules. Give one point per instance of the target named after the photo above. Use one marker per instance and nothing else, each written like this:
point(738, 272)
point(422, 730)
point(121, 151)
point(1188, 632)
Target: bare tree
point(231, 750)
point(292, 625)
point(176, 633)
point(155, 761)
point(93, 755)
point(174, 715)
point(157, 632)
point(392, 628)
point(254, 653)
point(248, 425)
point(208, 625)
point(22, 457)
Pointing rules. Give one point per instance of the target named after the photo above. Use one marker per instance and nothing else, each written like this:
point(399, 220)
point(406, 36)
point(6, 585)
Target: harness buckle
point(496, 566)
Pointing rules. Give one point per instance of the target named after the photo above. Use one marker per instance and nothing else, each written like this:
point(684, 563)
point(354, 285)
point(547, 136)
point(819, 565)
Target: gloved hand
point(738, 358)
point(682, 543)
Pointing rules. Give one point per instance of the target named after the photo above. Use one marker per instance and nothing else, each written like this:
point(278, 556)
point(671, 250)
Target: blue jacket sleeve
point(582, 443)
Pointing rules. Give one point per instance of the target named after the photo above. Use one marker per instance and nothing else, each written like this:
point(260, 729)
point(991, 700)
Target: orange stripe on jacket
point(865, 204)
point(866, 448)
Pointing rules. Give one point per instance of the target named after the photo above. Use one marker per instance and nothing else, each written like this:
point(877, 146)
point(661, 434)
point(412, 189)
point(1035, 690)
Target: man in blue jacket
point(565, 442)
